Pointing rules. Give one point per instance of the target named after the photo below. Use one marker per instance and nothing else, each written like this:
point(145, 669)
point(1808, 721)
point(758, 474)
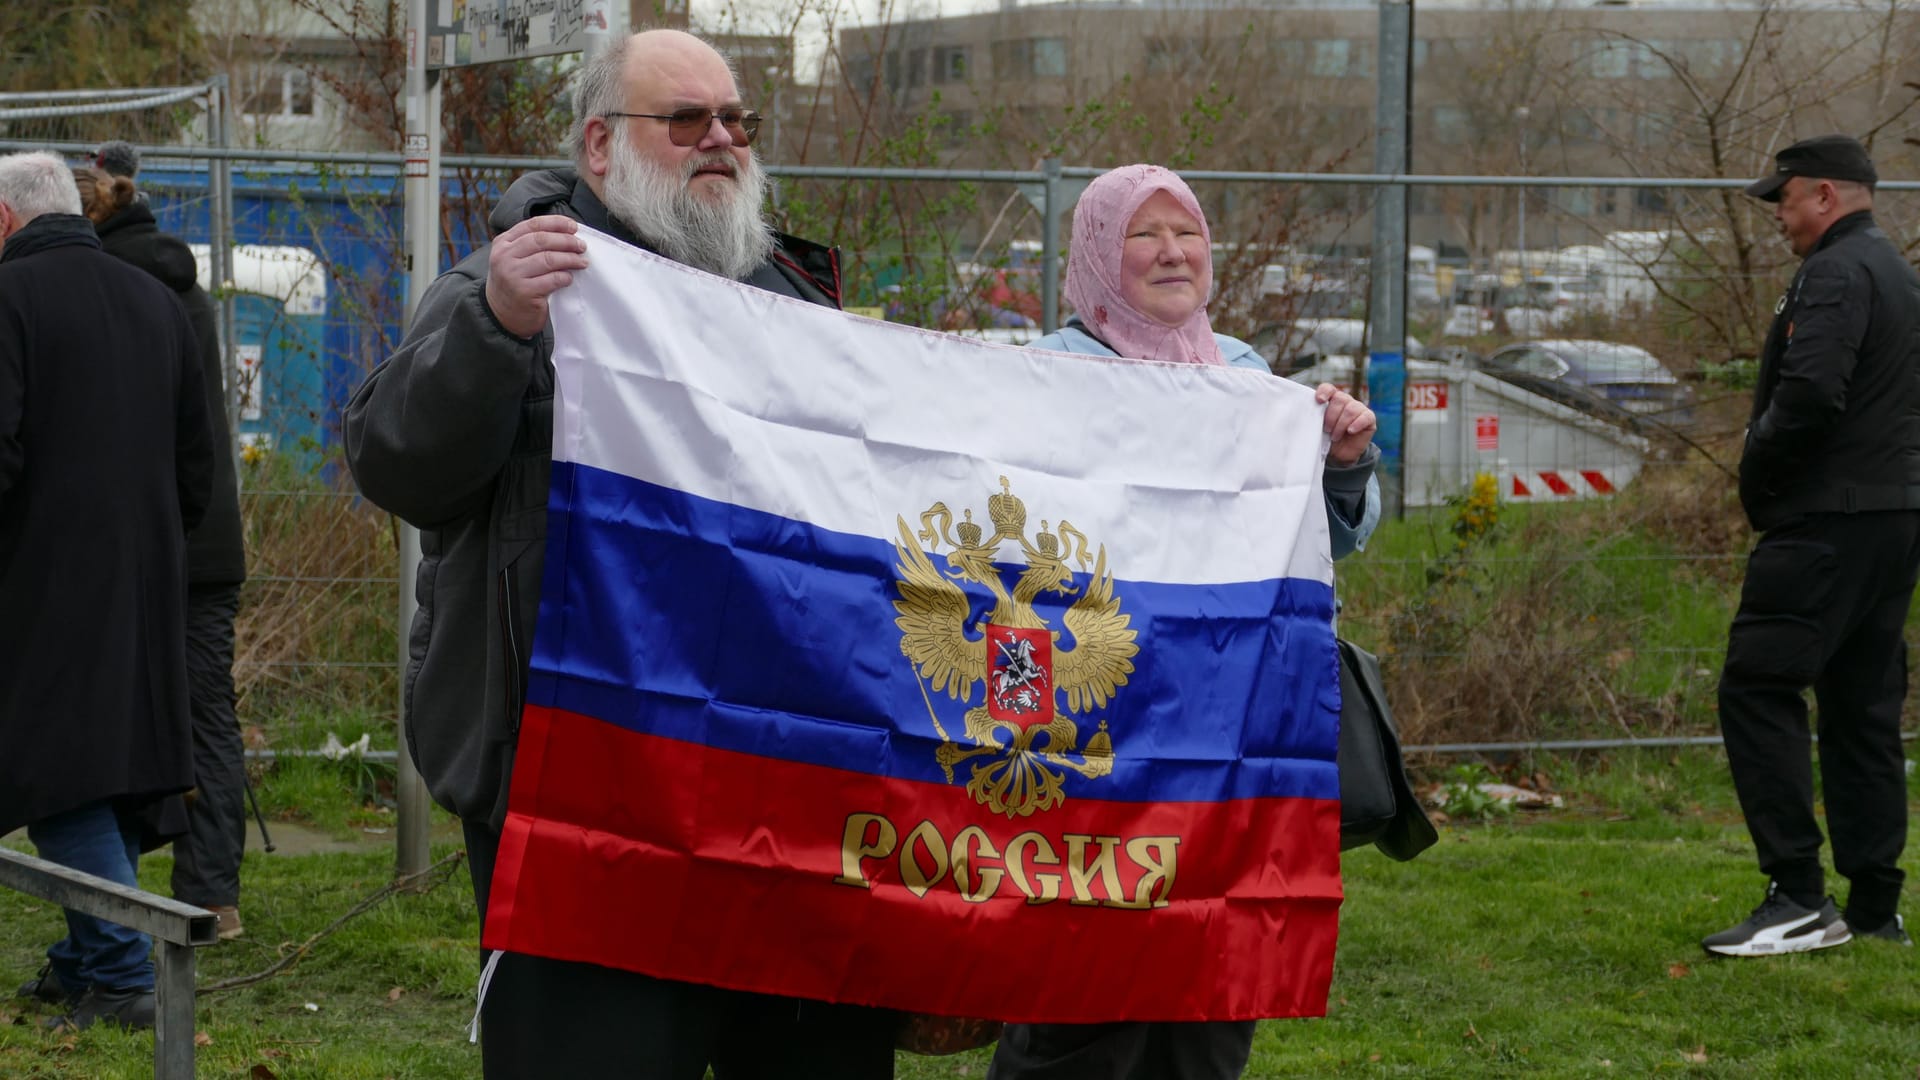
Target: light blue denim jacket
point(1347, 487)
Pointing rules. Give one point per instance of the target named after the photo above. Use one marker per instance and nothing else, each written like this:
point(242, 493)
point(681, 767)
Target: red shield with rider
point(1020, 675)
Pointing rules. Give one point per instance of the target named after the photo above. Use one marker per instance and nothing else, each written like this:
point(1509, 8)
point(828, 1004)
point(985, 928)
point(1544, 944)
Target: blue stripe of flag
point(702, 621)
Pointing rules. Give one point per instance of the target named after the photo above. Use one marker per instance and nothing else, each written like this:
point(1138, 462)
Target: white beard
point(728, 237)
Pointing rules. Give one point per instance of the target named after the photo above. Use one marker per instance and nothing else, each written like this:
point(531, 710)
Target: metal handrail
point(176, 928)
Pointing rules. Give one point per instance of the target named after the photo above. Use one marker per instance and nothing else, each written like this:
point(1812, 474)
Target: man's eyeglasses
point(686, 127)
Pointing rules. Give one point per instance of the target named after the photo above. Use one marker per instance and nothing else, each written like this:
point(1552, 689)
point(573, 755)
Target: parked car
point(1290, 347)
point(1624, 375)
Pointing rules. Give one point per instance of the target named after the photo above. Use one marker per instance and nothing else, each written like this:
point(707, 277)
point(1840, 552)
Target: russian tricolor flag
point(880, 666)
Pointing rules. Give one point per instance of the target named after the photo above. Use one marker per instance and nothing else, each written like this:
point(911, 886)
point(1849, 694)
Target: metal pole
point(423, 260)
point(1384, 370)
point(220, 254)
point(173, 1048)
point(1520, 114)
point(1050, 247)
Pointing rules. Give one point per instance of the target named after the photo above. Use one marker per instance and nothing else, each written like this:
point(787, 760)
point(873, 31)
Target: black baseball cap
point(1823, 157)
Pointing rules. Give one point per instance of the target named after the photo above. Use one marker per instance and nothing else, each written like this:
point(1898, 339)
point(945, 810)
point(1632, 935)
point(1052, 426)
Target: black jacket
point(454, 433)
point(216, 552)
point(105, 461)
point(1836, 414)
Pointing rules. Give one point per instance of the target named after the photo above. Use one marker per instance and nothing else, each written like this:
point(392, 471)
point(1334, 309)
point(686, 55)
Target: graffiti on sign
point(465, 32)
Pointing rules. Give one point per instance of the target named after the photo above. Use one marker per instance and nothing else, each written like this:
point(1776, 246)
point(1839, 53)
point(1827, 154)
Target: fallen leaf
point(201, 1038)
point(1698, 1055)
point(1678, 970)
point(1471, 1033)
point(1486, 963)
point(394, 994)
point(261, 1072)
point(1373, 1057)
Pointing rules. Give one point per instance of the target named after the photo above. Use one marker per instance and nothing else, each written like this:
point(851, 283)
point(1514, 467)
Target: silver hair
point(37, 183)
point(599, 88)
point(730, 237)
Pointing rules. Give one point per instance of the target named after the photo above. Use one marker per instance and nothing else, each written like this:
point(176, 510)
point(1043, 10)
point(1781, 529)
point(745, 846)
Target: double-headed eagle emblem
point(1030, 737)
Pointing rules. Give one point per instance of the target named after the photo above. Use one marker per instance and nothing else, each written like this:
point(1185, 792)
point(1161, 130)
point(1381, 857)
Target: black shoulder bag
point(1377, 803)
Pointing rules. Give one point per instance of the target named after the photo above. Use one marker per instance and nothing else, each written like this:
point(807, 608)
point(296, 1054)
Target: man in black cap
point(1830, 477)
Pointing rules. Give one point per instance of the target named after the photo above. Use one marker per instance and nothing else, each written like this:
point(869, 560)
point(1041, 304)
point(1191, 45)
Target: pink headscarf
point(1093, 269)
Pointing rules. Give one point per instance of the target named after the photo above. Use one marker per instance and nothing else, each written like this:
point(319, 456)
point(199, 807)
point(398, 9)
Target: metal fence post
point(176, 929)
point(220, 248)
point(173, 1048)
point(423, 261)
point(1050, 247)
point(1385, 366)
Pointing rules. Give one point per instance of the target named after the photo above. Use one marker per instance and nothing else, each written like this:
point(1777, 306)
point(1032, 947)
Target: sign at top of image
point(462, 32)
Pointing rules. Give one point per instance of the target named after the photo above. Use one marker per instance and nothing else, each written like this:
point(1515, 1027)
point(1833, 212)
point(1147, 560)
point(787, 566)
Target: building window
point(950, 64)
point(1707, 57)
point(1039, 58)
point(1649, 59)
point(1610, 60)
point(1606, 201)
point(1050, 58)
point(1331, 58)
point(860, 74)
point(1450, 124)
point(917, 68)
point(1650, 200)
point(1652, 129)
point(279, 92)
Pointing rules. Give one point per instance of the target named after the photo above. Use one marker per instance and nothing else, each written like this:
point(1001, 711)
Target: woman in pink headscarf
point(1139, 276)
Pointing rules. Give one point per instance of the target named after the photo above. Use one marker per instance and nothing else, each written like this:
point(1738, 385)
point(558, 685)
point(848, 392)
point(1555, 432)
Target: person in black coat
point(206, 867)
point(1830, 475)
point(106, 460)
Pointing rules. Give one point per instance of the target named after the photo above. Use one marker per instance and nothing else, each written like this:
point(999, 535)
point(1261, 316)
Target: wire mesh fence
point(1571, 550)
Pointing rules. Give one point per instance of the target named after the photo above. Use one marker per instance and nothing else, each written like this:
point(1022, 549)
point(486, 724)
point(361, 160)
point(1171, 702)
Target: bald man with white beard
point(453, 434)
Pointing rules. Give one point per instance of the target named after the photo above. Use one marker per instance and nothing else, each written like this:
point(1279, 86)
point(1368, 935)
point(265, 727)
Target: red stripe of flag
point(750, 872)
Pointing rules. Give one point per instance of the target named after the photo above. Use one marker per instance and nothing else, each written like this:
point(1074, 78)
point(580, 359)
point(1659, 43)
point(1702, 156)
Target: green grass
point(1543, 945)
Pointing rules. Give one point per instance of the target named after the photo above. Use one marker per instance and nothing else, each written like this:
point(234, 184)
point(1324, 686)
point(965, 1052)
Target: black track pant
point(550, 1018)
point(1823, 606)
point(206, 861)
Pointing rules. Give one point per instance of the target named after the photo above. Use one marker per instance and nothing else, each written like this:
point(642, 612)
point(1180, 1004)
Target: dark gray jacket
point(454, 434)
point(1836, 412)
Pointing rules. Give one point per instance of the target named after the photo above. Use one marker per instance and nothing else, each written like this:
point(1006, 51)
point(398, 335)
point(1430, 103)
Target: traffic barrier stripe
point(1553, 483)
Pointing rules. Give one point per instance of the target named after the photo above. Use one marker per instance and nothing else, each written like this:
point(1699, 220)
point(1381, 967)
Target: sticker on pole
point(1486, 432)
point(417, 155)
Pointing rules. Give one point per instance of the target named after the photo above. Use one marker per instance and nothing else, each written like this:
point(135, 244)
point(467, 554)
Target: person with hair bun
point(206, 865)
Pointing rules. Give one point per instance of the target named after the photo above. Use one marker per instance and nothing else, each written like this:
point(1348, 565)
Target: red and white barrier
point(1554, 485)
